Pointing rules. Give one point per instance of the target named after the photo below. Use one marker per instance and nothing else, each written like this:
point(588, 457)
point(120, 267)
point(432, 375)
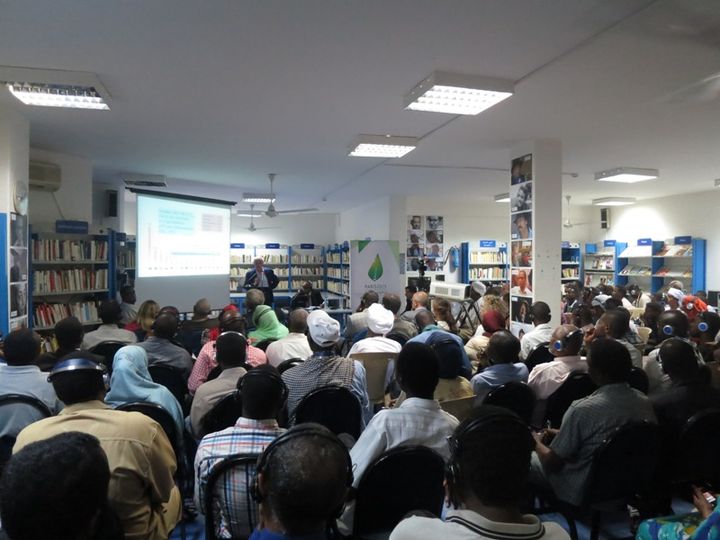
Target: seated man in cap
point(674, 297)
point(142, 461)
point(380, 322)
point(325, 367)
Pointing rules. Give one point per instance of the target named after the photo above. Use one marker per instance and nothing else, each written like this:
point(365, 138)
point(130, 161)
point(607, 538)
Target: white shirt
point(108, 332)
point(415, 421)
point(546, 378)
point(465, 524)
point(540, 334)
point(293, 345)
point(378, 344)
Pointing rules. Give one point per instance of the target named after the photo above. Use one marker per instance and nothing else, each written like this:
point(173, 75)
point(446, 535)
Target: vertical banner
point(374, 266)
point(521, 244)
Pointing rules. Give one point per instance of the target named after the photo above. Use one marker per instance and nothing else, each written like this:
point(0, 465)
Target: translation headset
point(455, 441)
point(560, 344)
point(272, 375)
point(80, 364)
point(296, 433)
point(702, 325)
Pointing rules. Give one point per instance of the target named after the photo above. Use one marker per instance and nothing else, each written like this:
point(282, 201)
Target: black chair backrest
point(214, 373)
point(515, 396)
point(287, 364)
point(242, 467)
point(223, 414)
point(170, 378)
point(6, 445)
point(695, 457)
point(157, 413)
point(402, 339)
point(191, 339)
point(624, 464)
point(334, 407)
point(539, 355)
point(263, 345)
point(9, 400)
point(107, 350)
point(416, 474)
point(578, 385)
point(639, 380)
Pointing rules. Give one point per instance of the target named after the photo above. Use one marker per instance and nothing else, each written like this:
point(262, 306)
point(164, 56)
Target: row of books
point(337, 258)
point(674, 272)
point(241, 259)
point(297, 258)
point(235, 283)
point(47, 315)
point(489, 273)
point(478, 257)
point(71, 280)
point(339, 273)
point(600, 263)
point(675, 250)
point(126, 259)
point(635, 269)
point(69, 250)
point(572, 272)
point(339, 287)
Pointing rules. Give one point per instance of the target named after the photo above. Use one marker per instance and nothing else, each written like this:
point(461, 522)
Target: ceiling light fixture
point(614, 201)
point(245, 213)
point(258, 198)
point(454, 93)
point(382, 146)
point(502, 197)
point(626, 175)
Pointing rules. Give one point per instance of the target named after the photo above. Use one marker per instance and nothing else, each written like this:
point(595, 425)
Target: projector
point(451, 291)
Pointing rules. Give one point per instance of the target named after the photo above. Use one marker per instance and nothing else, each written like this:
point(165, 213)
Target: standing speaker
point(604, 218)
point(111, 209)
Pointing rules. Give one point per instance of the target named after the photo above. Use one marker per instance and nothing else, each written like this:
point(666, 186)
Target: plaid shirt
point(245, 437)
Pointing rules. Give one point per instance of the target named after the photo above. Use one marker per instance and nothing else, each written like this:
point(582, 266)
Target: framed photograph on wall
point(521, 226)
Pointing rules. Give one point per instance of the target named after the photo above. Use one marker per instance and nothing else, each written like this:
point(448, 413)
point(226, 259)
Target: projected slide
point(181, 238)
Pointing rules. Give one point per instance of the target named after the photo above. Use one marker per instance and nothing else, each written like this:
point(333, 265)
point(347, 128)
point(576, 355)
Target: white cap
point(324, 330)
point(479, 287)
point(677, 294)
point(380, 320)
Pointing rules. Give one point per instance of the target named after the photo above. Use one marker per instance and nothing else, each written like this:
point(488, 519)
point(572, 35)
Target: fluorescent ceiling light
point(245, 213)
point(614, 201)
point(627, 175)
point(454, 93)
point(382, 146)
point(503, 197)
point(258, 198)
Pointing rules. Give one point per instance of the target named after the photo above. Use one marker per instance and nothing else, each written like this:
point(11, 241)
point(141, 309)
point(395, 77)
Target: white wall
point(369, 220)
point(311, 228)
point(75, 196)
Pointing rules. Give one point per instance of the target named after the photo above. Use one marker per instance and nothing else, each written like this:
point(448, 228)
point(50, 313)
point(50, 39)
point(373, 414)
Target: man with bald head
point(420, 302)
point(565, 344)
point(425, 321)
point(504, 365)
point(295, 344)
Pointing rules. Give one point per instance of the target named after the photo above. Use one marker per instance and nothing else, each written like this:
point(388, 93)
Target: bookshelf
point(277, 257)
point(484, 260)
point(600, 263)
point(241, 262)
point(123, 252)
point(306, 264)
point(570, 262)
point(337, 273)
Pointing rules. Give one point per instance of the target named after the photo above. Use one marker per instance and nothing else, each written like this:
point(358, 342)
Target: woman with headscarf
point(267, 326)
point(492, 321)
point(131, 382)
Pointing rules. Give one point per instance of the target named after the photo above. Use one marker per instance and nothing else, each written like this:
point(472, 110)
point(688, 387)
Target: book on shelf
point(69, 280)
point(126, 259)
point(55, 250)
point(48, 315)
point(274, 259)
point(570, 273)
point(673, 272)
point(635, 269)
point(675, 250)
point(488, 257)
point(492, 272)
point(242, 259)
point(338, 273)
point(298, 258)
point(604, 262)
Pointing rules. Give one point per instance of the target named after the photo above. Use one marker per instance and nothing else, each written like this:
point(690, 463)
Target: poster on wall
point(521, 245)
point(375, 266)
point(18, 271)
point(425, 241)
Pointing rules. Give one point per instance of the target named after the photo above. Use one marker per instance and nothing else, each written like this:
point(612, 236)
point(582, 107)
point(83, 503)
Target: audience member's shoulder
point(419, 526)
point(136, 425)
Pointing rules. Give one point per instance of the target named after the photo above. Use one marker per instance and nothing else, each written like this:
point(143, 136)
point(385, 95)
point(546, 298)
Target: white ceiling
point(226, 91)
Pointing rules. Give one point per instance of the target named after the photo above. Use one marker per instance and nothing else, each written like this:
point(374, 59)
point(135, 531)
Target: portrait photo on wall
point(412, 264)
point(415, 223)
point(18, 300)
point(521, 170)
point(521, 310)
point(414, 250)
point(521, 253)
point(518, 329)
point(18, 264)
point(18, 230)
point(521, 226)
point(434, 265)
point(521, 282)
point(434, 237)
point(434, 223)
point(415, 237)
point(521, 197)
point(434, 250)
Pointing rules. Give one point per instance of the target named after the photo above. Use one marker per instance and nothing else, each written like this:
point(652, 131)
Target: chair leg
point(595, 525)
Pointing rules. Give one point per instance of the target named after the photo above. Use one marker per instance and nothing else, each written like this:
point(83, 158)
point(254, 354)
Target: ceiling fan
point(271, 212)
point(702, 91)
point(253, 214)
point(568, 224)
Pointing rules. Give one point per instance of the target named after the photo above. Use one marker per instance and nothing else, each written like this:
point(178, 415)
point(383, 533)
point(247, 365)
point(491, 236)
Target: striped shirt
point(234, 516)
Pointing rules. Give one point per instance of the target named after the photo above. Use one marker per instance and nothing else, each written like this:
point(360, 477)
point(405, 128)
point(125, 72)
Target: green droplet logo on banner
point(376, 269)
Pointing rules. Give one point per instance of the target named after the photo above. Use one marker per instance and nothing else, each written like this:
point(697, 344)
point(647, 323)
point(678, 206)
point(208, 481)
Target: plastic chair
point(223, 415)
point(639, 380)
point(334, 407)
point(402, 339)
point(287, 364)
point(107, 350)
point(19, 411)
point(460, 408)
point(644, 333)
point(539, 355)
point(375, 364)
point(172, 379)
point(515, 396)
point(415, 474)
point(578, 385)
point(242, 469)
point(694, 459)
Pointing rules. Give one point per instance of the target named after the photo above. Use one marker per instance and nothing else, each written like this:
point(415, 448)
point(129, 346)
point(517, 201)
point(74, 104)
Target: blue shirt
point(423, 336)
point(497, 375)
point(264, 534)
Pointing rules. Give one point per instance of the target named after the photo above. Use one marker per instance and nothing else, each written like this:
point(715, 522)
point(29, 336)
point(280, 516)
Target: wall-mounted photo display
point(434, 250)
point(18, 231)
point(521, 226)
point(433, 237)
point(412, 264)
point(521, 197)
point(521, 170)
point(414, 250)
point(434, 223)
point(521, 282)
point(521, 253)
point(425, 237)
point(520, 323)
point(18, 300)
point(415, 237)
point(18, 265)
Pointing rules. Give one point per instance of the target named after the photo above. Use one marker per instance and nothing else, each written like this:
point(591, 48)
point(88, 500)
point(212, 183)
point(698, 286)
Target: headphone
point(80, 364)
point(559, 344)
point(668, 330)
point(455, 442)
point(272, 375)
point(703, 326)
point(302, 430)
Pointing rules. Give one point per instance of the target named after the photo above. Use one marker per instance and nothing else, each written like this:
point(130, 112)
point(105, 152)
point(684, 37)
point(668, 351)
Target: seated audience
point(565, 344)
point(542, 331)
point(649, 319)
point(380, 321)
point(615, 324)
point(407, 329)
point(703, 332)
point(442, 309)
point(295, 344)
point(486, 484)
point(410, 290)
point(701, 525)
point(200, 319)
point(20, 375)
point(563, 457)
point(253, 299)
point(620, 296)
point(267, 326)
point(638, 297)
point(476, 347)
point(357, 322)
point(142, 462)
point(291, 507)
point(230, 321)
point(58, 488)
point(420, 302)
point(142, 324)
point(504, 365)
point(470, 318)
point(325, 367)
point(263, 394)
point(69, 333)
point(131, 383)
point(128, 312)
point(109, 313)
point(231, 348)
point(307, 297)
point(429, 332)
point(160, 349)
point(674, 296)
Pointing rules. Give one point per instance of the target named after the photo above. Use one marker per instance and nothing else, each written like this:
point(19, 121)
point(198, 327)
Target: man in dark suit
point(261, 278)
point(306, 297)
